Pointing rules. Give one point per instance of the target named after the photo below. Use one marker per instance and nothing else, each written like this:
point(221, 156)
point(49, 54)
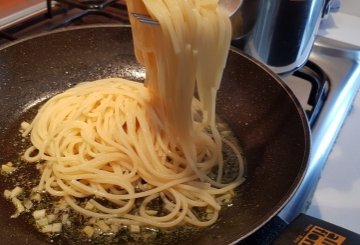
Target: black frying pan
point(261, 111)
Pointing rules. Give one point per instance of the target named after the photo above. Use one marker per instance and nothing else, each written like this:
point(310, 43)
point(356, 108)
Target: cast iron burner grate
point(106, 8)
point(65, 13)
point(319, 91)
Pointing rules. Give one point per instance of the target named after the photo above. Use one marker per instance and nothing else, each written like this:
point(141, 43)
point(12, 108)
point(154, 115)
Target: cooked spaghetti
point(112, 148)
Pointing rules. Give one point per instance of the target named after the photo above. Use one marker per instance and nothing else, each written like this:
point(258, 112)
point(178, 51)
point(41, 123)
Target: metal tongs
point(231, 6)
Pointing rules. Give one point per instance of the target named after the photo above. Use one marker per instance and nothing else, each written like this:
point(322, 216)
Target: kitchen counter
point(17, 10)
point(337, 196)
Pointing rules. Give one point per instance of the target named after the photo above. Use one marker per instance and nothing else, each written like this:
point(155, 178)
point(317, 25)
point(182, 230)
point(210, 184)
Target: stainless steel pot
point(279, 33)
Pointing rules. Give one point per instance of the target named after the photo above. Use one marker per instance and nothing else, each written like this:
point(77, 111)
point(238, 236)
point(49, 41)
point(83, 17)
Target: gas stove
point(326, 87)
point(340, 64)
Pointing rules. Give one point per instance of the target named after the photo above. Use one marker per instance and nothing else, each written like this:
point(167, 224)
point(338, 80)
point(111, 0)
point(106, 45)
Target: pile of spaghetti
point(113, 148)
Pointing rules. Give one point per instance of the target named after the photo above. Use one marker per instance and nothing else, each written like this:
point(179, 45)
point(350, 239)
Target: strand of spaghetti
point(51, 190)
point(171, 215)
point(68, 190)
point(192, 219)
point(72, 203)
point(217, 152)
point(96, 163)
point(203, 195)
point(116, 182)
point(238, 156)
point(228, 187)
point(161, 172)
point(180, 216)
point(30, 155)
point(44, 176)
point(193, 200)
point(124, 209)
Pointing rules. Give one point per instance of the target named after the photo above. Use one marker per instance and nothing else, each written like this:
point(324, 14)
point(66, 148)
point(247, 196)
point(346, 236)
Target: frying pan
point(264, 115)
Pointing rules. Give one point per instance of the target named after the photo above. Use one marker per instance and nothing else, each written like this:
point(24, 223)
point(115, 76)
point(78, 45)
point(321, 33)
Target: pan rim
point(64, 29)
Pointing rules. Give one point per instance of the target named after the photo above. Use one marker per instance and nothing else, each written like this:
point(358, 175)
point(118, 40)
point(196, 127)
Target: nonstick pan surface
point(261, 111)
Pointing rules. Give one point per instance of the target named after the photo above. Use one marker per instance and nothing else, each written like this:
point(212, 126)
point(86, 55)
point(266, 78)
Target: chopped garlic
point(24, 125)
point(46, 229)
point(16, 192)
point(64, 218)
point(224, 199)
point(134, 228)
point(62, 204)
point(103, 226)
point(114, 228)
point(92, 220)
point(9, 164)
point(18, 205)
point(52, 228)
point(7, 194)
point(56, 227)
point(51, 218)
point(146, 186)
point(89, 206)
point(42, 222)
point(36, 197)
point(28, 204)
point(7, 168)
point(151, 212)
point(89, 231)
point(39, 214)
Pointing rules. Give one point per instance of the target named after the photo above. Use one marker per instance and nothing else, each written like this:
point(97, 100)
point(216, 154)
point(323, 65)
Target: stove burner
point(90, 7)
point(320, 86)
point(65, 13)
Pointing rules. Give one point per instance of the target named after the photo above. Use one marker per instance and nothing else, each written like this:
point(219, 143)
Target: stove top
point(337, 66)
point(341, 64)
